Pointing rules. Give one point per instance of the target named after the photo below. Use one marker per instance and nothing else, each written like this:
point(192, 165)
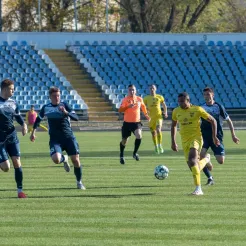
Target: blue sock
point(62, 159)
point(207, 172)
point(78, 173)
point(19, 178)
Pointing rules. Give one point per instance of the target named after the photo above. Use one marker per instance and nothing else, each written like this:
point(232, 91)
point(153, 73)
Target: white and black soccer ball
point(161, 172)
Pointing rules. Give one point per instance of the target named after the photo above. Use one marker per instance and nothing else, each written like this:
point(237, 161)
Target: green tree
point(183, 15)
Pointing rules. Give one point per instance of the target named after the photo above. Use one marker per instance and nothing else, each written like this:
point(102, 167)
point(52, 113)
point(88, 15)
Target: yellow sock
point(44, 127)
point(202, 163)
point(196, 175)
point(159, 138)
point(154, 138)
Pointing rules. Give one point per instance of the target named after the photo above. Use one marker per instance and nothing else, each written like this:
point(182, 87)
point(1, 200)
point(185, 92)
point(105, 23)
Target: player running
point(130, 106)
point(153, 103)
point(189, 117)
point(9, 142)
point(61, 135)
point(219, 113)
point(31, 116)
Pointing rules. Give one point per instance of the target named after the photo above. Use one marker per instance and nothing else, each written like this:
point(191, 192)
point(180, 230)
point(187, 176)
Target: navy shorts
point(11, 147)
point(130, 127)
point(70, 145)
point(208, 143)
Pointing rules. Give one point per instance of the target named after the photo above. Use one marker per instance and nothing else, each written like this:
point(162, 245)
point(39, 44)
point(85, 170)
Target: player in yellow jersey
point(153, 103)
point(189, 117)
point(31, 116)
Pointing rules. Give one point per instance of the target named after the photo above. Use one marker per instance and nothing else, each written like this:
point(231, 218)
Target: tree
point(180, 15)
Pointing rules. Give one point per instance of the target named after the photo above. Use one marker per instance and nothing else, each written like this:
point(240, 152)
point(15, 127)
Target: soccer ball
point(161, 172)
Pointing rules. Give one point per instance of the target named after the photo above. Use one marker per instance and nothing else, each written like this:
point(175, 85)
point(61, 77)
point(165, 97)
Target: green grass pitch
point(123, 204)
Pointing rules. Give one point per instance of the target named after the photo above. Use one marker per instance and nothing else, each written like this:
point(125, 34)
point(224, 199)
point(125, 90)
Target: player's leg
point(4, 162)
point(57, 156)
point(152, 127)
point(29, 128)
point(195, 164)
point(125, 133)
point(192, 161)
point(43, 127)
point(219, 152)
point(138, 134)
point(159, 135)
point(77, 171)
point(13, 150)
point(208, 168)
point(72, 148)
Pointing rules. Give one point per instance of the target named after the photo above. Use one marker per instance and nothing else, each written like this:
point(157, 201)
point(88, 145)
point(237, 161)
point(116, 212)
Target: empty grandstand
point(93, 75)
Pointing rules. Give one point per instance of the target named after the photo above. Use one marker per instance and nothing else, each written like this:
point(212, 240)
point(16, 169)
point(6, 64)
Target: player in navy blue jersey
point(219, 113)
point(62, 138)
point(9, 142)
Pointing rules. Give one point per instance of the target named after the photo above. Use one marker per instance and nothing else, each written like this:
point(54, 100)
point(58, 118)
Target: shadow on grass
point(110, 154)
point(83, 195)
point(91, 188)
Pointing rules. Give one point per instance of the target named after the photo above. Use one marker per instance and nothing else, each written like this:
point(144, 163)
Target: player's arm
point(213, 123)
point(146, 104)
point(67, 111)
point(174, 145)
point(124, 106)
point(164, 106)
point(226, 117)
point(36, 124)
point(235, 139)
point(20, 120)
point(27, 117)
point(144, 109)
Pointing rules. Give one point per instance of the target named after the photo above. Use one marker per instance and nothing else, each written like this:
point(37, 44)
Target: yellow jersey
point(153, 104)
point(189, 121)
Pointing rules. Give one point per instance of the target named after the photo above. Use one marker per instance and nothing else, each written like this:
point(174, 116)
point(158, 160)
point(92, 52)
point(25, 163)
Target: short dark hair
point(6, 83)
point(131, 85)
point(32, 106)
point(208, 89)
point(153, 85)
point(184, 94)
point(53, 89)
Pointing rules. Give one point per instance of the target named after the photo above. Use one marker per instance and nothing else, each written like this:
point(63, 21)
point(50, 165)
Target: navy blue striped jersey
point(58, 122)
point(9, 111)
point(219, 113)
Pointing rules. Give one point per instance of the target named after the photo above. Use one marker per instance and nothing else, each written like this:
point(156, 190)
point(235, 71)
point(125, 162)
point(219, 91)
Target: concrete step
point(99, 108)
point(98, 104)
point(83, 83)
point(90, 94)
point(95, 99)
point(103, 118)
point(87, 90)
point(103, 109)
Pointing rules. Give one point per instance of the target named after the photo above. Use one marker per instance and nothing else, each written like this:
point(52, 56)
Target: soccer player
point(130, 106)
point(31, 116)
point(9, 142)
point(220, 114)
point(59, 114)
point(189, 117)
point(153, 103)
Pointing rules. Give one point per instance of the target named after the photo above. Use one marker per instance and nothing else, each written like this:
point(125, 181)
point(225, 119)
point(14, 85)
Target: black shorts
point(129, 127)
point(217, 150)
point(70, 145)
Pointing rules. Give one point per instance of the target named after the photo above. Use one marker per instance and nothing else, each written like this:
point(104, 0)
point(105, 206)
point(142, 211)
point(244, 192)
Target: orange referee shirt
point(132, 114)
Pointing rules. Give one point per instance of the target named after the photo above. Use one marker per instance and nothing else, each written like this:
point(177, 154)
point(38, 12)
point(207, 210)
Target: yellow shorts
point(154, 122)
point(195, 143)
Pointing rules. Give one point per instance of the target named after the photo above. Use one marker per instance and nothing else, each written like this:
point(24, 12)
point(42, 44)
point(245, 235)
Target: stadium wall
point(55, 40)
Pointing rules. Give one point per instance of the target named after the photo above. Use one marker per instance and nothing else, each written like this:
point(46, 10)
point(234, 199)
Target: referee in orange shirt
point(130, 106)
